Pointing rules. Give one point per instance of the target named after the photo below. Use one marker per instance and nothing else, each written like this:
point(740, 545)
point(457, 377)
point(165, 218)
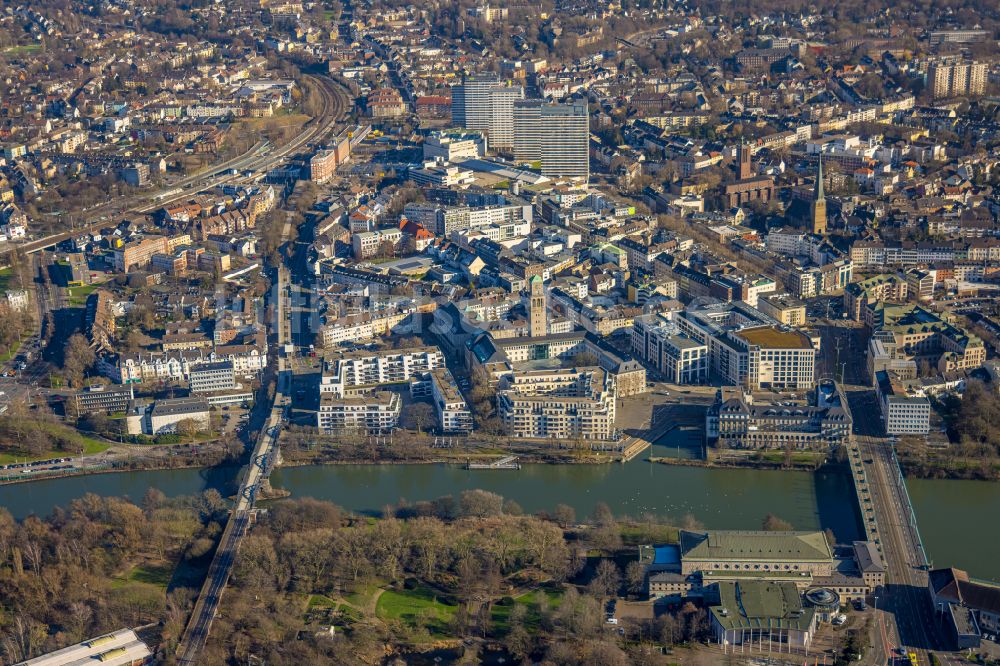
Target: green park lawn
point(361, 597)
point(152, 574)
point(500, 613)
point(149, 579)
point(23, 49)
point(78, 295)
point(417, 606)
point(321, 601)
point(797, 458)
point(11, 352)
point(90, 446)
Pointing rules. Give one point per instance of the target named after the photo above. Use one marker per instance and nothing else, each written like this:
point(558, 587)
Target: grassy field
point(797, 458)
point(532, 601)
point(633, 535)
point(150, 577)
point(152, 574)
point(5, 275)
point(417, 606)
point(90, 446)
point(362, 597)
point(78, 295)
point(321, 601)
point(23, 49)
point(273, 123)
point(10, 353)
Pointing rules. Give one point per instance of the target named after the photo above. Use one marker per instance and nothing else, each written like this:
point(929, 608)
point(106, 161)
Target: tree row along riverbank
point(303, 447)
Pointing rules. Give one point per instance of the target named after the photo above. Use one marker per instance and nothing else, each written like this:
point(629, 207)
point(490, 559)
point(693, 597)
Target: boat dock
point(507, 462)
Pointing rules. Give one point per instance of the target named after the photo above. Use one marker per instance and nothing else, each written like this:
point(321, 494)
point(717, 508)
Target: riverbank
point(454, 456)
point(165, 460)
point(748, 463)
point(131, 458)
point(955, 470)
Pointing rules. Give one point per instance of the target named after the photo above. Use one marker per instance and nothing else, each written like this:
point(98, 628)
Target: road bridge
point(265, 450)
point(257, 472)
point(907, 619)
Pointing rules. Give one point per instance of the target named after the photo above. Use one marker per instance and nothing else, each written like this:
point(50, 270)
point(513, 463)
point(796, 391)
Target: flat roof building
point(758, 612)
point(119, 648)
point(967, 607)
point(787, 309)
point(558, 135)
point(903, 412)
point(767, 357)
point(214, 376)
point(105, 399)
point(453, 413)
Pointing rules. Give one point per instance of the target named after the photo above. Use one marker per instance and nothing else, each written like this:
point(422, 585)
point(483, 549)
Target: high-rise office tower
point(470, 102)
point(501, 123)
point(556, 134)
point(483, 102)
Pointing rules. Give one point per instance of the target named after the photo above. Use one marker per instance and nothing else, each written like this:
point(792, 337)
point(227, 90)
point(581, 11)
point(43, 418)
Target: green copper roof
point(755, 546)
point(819, 181)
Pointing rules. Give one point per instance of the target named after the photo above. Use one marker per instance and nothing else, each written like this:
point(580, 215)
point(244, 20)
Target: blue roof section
point(667, 555)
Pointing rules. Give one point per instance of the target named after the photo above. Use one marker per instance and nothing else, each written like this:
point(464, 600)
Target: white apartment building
point(364, 326)
point(558, 404)
point(376, 412)
point(162, 416)
point(176, 365)
point(785, 308)
point(455, 146)
point(483, 102)
point(360, 369)
point(748, 348)
point(446, 220)
point(501, 123)
point(453, 413)
point(498, 233)
point(368, 243)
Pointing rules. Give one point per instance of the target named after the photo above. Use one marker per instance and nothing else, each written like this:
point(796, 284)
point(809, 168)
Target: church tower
point(744, 164)
point(819, 204)
point(537, 322)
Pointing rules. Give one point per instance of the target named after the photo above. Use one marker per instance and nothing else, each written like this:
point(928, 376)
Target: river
point(958, 523)
point(953, 515)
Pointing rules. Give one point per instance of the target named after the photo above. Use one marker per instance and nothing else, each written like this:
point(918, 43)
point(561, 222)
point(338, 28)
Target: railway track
point(335, 105)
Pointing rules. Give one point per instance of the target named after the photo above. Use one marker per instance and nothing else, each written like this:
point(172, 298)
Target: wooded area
point(315, 584)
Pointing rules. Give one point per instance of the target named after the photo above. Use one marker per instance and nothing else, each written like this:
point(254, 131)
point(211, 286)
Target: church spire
point(819, 180)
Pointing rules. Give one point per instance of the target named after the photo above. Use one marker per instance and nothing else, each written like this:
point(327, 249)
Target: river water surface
point(958, 519)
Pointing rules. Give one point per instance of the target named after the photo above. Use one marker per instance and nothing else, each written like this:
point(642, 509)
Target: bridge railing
point(901, 480)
